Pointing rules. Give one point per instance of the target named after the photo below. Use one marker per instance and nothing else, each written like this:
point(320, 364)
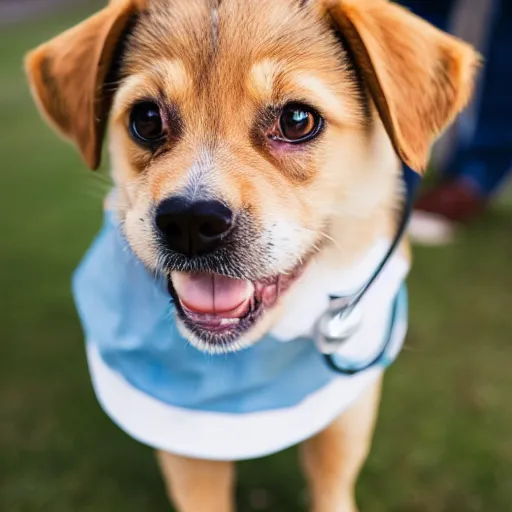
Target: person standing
point(474, 158)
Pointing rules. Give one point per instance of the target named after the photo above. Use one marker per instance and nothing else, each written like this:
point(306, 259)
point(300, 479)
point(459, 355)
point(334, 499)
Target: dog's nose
point(193, 227)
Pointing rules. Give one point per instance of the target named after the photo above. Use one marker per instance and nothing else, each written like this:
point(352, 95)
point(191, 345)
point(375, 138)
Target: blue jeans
point(483, 156)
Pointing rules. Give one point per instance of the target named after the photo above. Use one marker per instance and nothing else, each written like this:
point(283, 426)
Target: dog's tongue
point(213, 294)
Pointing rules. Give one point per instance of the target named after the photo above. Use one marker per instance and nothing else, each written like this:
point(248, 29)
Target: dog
point(256, 151)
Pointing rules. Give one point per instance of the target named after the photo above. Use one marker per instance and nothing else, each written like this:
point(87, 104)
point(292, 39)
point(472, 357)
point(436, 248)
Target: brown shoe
point(455, 200)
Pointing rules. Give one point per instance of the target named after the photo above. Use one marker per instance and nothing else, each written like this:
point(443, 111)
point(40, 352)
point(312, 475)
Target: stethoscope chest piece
point(337, 325)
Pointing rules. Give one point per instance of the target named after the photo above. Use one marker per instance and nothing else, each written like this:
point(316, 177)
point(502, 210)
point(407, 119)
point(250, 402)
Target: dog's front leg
point(197, 485)
point(333, 459)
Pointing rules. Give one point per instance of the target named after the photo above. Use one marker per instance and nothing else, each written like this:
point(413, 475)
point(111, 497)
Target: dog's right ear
point(67, 76)
point(419, 77)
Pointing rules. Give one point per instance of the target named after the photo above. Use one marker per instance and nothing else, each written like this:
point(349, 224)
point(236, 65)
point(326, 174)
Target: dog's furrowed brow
point(322, 95)
point(165, 76)
point(262, 79)
point(172, 76)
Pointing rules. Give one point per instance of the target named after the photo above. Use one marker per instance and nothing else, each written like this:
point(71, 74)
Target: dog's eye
point(298, 123)
point(146, 124)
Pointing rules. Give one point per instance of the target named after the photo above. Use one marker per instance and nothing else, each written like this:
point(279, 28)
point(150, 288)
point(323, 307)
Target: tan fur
point(220, 65)
point(333, 459)
point(195, 485)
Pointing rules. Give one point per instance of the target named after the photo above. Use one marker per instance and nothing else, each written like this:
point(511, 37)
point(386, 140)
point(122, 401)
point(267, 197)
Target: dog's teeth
point(229, 321)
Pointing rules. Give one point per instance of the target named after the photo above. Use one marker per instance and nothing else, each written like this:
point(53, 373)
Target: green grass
point(443, 442)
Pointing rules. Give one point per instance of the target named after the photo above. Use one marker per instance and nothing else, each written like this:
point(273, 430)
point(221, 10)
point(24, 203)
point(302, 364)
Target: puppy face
point(246, 139)
point(248, 136)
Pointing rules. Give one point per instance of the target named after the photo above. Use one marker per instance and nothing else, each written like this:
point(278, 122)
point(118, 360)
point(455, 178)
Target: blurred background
point(443, 441)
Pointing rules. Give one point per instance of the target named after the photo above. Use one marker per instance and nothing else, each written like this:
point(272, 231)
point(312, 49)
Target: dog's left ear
point(419, 77)
point(67, 76)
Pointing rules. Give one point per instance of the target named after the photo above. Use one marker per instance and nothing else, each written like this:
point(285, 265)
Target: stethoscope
point(344, 316)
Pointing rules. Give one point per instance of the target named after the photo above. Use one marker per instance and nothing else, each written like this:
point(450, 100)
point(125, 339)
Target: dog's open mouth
point(219, 309)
